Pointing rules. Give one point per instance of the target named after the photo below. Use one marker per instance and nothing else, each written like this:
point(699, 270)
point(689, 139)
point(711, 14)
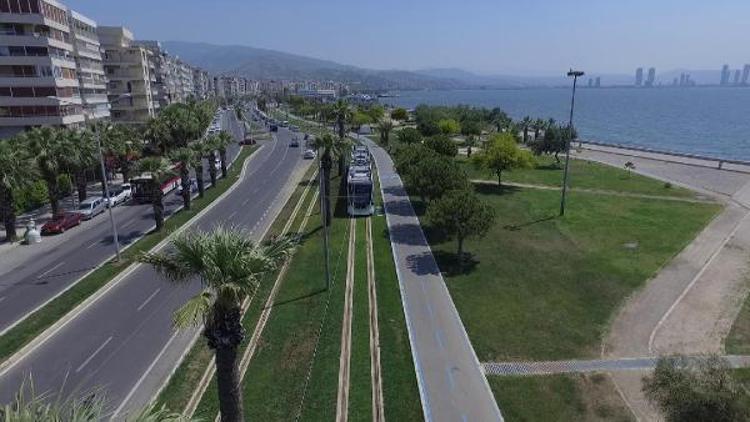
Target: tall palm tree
point(342, 113)
point(200, 150)
point(83, 155)
point(123, 144)
point(182, 122)
point(221, 142)
point(539, 124)
point(229, 267)
point(331, 148)
point(157, 133)
point(17, 171)
point(385, 126)
point(159, 169)
point(525, 123)
point(184, 158)
point(48, 148)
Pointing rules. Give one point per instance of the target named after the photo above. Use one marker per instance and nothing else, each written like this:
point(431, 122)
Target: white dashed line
point(2, 298)
point(60, 264)
point(93, 355)
point(93, 244)
point(232, 215)
point(449, 377)
point(145, 302)
point(439, 339)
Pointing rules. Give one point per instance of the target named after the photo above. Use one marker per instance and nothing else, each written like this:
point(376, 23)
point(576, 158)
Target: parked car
point(294, 143)
point(247, 141)
point(274, 128)
point(309, 154)
point(61, 222)
point(193, 187)
point(91, 207)
point(119, 195)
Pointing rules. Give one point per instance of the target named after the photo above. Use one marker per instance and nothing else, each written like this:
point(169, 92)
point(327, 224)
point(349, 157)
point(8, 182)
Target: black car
point(274, 128)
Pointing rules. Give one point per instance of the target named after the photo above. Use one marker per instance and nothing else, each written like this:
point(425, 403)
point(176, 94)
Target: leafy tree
point(442, 144)
point(433, 175)
point(122, 144)
point(83, 155)
point(471, 129)
point(385, 126)
point(407, 156)
point(48, 147)
point(502, 153)
point(159, 169)
point(375, 112)
point(156, 132)
point(449, 127)
point(462, 214)
point(400, 114)
point(360, 119)
point(17, 172)
point(696, 390)
point(526, 122)
point(184, 158)
point(409, 136)
point(554, 141)
point(229, 267)
point(200, 149)
point(429, 128)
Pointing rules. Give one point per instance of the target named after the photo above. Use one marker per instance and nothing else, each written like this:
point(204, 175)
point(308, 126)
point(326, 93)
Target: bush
point(442, 144)
point(31, 197)
point(409, 136)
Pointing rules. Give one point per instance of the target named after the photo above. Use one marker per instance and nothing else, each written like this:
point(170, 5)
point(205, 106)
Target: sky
point(530, 37)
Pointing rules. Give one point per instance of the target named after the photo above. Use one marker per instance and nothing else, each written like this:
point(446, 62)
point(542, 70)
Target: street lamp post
point(575, 74)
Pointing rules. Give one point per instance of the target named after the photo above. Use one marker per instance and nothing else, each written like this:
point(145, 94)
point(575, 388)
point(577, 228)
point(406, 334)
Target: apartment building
point(90, 67)
point(131, 74)
point(39, 81)
point(202, 84)
point(163, 89)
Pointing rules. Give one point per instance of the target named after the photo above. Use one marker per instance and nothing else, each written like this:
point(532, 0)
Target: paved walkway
point(451, 382)
point(595, 365)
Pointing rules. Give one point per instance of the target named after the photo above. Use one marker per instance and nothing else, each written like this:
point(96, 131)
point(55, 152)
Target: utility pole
point(575, 74)
point(324, 219)
point(110, 205)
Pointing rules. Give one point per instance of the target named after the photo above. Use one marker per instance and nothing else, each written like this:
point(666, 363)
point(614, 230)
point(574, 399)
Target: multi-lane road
point(123, 342)
point(32, 275)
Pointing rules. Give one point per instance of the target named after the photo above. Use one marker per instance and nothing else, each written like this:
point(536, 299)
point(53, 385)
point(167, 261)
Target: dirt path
point(378, 412)
point(342, 401)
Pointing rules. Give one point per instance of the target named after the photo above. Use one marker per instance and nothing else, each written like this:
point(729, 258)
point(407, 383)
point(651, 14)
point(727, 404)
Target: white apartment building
point(39, 82)
point(130, 73)
point(91, 79)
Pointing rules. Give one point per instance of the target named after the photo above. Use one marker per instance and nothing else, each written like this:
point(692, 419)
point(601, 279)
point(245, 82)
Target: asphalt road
point(451, 382)
point(31, 275)
point(125, 339)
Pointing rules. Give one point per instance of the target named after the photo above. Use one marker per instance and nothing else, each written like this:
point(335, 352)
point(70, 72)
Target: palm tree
point(332, 148)
point(342, 113)
point(539, 124)
point(122, 143)
point(83, 155)
point(229, 267)
point(385, 126)
point(157, 133)
point(184, 157)
point(222, 141)
point(525, 123)
point(48, 148)
point(159, 169)
point(16, 172)
point(182, 122)
point(200, 150)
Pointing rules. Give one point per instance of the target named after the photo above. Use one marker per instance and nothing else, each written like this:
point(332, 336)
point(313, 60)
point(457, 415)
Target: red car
point(247, 141)
point(61, 222)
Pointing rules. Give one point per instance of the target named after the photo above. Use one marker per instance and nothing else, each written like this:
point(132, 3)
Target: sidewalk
point(451, 382)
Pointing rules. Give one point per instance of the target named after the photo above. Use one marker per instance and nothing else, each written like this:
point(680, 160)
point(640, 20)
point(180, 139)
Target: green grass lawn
point(542, 287)
point(559, 398)
point(583, 174)
point(360, 391)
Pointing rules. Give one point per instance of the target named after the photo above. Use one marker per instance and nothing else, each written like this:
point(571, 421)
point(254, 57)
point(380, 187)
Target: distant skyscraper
point(745, 74)
point(651, 76)
point(639, 76)
point(737, 77)
point(724, 75)
point(682, 79)
point(591, 82)
point(598, 82)
point(675, 82)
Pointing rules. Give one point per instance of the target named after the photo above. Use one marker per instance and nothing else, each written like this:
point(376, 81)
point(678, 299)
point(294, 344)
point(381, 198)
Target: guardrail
point(699, 160)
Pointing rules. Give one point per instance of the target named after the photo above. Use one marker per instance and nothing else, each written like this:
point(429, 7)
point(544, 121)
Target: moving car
point(119, 195)
point(247, 141)
point(309, 154)
point(61, 222)
point(294, 143)
point(91, 207)
point(193, 187)
point(274, 128)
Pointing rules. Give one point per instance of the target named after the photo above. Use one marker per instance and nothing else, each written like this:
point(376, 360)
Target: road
point(31, 275)
point(451, 383)
point(125, 339)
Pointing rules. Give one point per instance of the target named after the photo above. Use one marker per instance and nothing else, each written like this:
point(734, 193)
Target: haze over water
point(709, 121)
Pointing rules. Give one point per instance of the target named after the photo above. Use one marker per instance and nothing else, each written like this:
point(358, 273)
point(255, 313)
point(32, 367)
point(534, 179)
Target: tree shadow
point(298, 298)
point(550, 166)
point(516, 227)
point(397, 191)
point(493, 189)
point(402, 207)
point(423, 264)
point(408, 234)
point(448, 263)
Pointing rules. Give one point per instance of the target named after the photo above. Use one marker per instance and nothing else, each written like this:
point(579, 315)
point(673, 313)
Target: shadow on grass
point(448, 263)
point(516, 227)
point(298, 298)
point(550, 166)
point(492, 189)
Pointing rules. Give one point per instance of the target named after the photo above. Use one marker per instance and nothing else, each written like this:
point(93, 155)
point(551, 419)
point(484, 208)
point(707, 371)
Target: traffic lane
point(39, 278)
point(109, 331)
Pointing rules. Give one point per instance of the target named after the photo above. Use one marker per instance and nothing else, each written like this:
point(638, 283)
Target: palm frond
point(194, 311)
point(166, 264)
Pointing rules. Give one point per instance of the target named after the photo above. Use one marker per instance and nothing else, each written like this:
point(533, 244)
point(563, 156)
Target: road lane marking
point(2, 298)
point(93, 355)
point(429, 310)
point(93, 244)
point(127, 224)
point(449, 377)
point(145, 302)
point(232, 215)
point(59, 264)
point(245, 202)
point(439, 339)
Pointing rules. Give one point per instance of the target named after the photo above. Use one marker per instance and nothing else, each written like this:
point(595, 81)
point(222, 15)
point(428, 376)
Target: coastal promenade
point(690, 305)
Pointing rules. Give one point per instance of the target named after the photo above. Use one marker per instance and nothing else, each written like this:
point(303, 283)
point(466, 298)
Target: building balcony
point(42, 120)
point(38, 81)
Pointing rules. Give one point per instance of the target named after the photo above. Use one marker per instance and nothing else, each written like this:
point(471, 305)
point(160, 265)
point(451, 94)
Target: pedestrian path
point(451, 382)
point(595, 365)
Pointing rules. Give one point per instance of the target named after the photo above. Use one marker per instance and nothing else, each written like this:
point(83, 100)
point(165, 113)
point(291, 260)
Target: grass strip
point(36, 323)
point(181, 386)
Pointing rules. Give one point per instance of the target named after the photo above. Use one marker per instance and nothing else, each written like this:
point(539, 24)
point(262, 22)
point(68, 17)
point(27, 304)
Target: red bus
point(142, 191)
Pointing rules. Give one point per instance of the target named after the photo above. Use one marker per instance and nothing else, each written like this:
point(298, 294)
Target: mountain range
point(259, 63)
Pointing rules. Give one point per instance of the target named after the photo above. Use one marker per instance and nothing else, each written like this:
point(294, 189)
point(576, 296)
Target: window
point(5, 91)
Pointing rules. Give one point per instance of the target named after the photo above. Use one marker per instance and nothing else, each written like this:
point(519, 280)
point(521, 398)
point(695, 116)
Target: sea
point(707, 121)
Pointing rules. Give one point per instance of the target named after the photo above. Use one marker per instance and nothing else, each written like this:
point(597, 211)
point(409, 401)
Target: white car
point(91, 207)
point(119, 195)
point(309, 154)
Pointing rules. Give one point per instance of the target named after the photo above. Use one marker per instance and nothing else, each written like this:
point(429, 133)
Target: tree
point(449, 127)
point(409, 136)
point(122, 144)
point(184, 158)
point(229, 267)
point(221, 142)
point(183, 122)
point(400, 114)
point(211, 144)
point(429, 128)
point(342, 113)
point(200, 149)
point(159, 169)
point(462, 214)
point(629, 166)
point(525, 123)
point(376, 112)
point(502, 153)
point(442, 144)
point(471, 129)
point(17, 171)
point(433, 175)
point(157, 133)
point(696, 390)
point(49, 150)
point(83, 155)
point(331, 148)
point(360, 119)
point(553, 142)
point(385, 126)
point(407, 156)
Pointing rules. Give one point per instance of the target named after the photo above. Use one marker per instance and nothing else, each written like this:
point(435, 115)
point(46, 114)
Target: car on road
point(119, 195)
point(247, 141)
point(294, 143)
point(309, 154)
point(274, 128)
point(61, 222)
point(193, 187)
point(285, 123)
point(91, 207)
point(294, 128)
